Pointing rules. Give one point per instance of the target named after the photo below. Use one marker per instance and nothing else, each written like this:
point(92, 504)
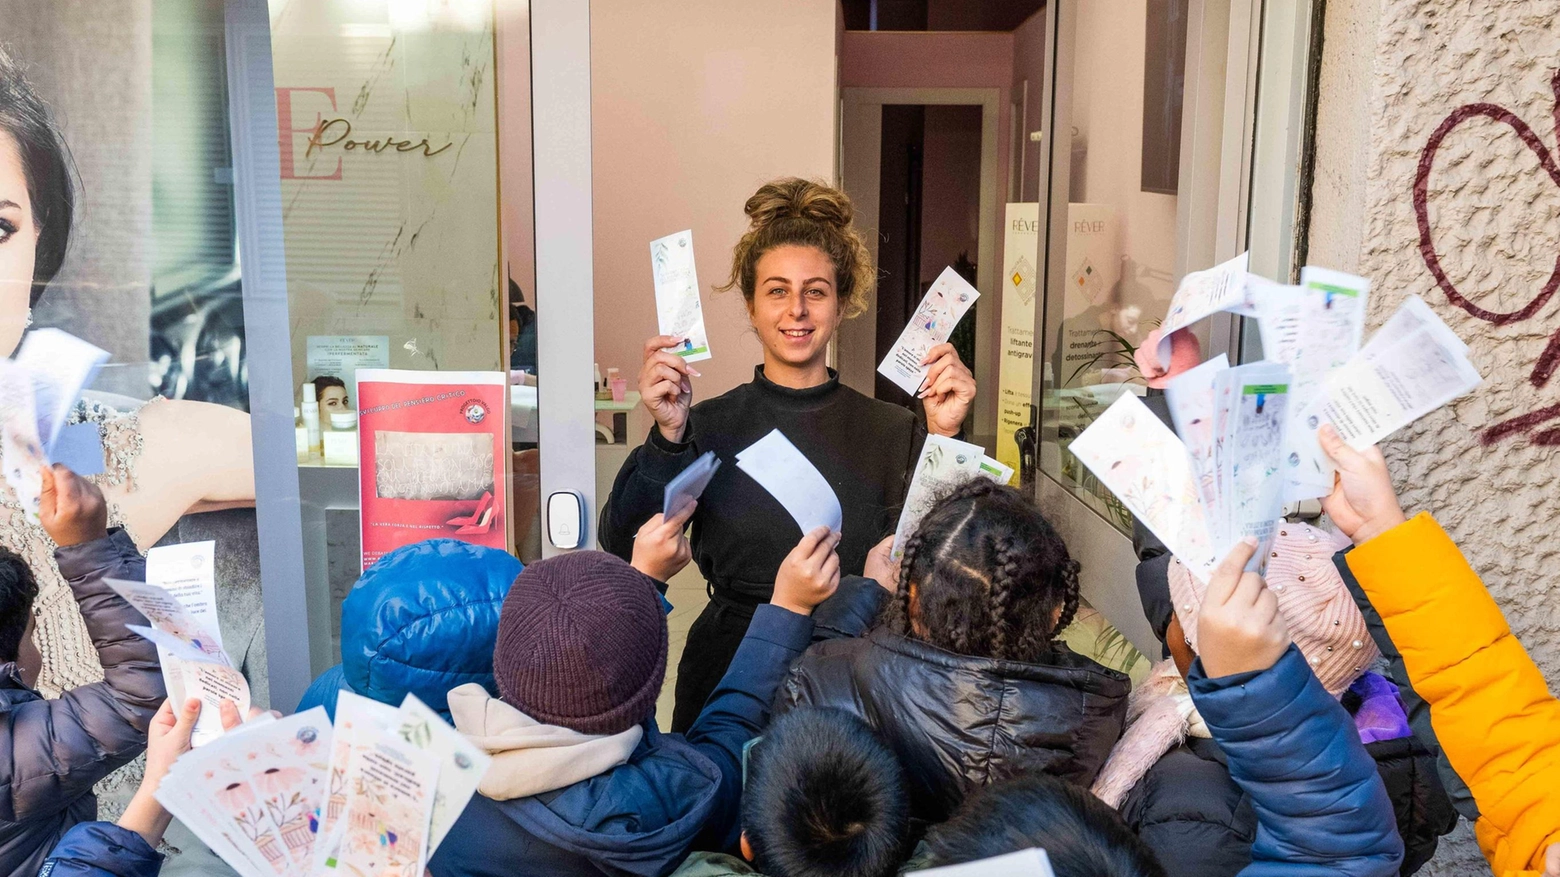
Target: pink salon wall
point(694, 105)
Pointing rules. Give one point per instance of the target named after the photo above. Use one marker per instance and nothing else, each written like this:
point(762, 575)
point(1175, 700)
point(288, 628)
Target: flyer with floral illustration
point(433, 456)
point(390, 797)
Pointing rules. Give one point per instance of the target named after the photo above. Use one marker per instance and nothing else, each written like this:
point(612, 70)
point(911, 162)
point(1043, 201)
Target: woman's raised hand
point(948, 390)
point(665, 386)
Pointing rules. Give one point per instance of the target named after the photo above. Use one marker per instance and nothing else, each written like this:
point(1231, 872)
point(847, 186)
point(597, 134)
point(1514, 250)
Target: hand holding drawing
point(1239, 628)
point(167, 738)
point(881, 567)
point(1362, 503)
point(661, 549)
point(72, 509)
point(948, 390)
point(809, 574)
point(665, 386)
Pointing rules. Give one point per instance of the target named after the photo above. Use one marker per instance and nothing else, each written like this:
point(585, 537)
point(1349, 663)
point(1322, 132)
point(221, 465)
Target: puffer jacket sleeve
point(1497, 722)
point(739, 708)
point(850, 610)
point(101, 849)
point(1321, 807)
point(61, 748)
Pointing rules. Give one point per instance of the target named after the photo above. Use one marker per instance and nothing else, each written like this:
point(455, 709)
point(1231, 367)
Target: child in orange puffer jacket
point(1489, 704)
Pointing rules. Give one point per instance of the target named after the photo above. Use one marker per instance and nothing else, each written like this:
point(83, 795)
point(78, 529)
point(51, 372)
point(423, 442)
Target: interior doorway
point(922, 166)
point(928, 217)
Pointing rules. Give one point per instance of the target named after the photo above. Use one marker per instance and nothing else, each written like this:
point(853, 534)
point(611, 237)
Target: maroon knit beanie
point(582, 644)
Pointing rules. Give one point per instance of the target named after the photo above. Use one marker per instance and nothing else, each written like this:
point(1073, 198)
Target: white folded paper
point(38, 389)
point(1413, 365)
point(945, 303)
point(61, 365)
point(1143, 463)
point(1255, 400)
point(1026, 863)
point(677, 307)
point(252, 797)
point(1314, 328)
point(689, 484)
point(1190, 397)
point(793, 481)
point(359, 722)
point(194, 664)
point(1202, 294)
point(944, 464)
point(461, 764)
point(996, 470)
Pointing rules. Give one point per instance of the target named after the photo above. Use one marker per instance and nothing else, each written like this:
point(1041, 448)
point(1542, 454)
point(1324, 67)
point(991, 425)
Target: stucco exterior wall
point(1393, 71)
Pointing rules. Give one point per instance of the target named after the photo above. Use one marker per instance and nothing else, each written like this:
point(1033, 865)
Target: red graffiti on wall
point(1549, 360)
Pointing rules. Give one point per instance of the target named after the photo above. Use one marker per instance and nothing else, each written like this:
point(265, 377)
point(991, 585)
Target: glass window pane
point(388, 118)
point(1118, 264)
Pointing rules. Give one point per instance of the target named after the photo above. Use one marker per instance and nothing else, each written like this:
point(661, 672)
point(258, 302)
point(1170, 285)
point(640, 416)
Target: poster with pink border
point(433, 451)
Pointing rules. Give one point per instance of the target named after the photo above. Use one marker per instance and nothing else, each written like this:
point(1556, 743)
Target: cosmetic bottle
point(311, 418)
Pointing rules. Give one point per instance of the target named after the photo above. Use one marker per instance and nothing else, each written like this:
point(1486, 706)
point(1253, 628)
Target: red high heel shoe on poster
point(481, 526)
point(483, 505)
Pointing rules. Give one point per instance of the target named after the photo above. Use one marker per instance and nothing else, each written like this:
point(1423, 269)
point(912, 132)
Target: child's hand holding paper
point(661, 548)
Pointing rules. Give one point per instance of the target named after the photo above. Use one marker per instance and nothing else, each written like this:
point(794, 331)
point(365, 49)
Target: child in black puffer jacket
point(963, 676)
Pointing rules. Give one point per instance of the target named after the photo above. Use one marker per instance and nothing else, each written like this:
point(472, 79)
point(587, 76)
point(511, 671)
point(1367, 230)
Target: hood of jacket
point(959, 722)
point(530, 757)
point(423, 620)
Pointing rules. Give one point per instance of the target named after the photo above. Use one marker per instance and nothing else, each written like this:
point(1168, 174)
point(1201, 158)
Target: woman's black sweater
point(866, 450)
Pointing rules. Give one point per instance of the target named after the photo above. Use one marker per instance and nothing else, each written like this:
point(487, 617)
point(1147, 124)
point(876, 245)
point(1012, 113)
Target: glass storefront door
point(425, 324)
point(1150, 119)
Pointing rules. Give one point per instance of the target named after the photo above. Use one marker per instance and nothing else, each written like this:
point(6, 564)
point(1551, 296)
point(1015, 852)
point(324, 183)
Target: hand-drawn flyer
point(433, 454)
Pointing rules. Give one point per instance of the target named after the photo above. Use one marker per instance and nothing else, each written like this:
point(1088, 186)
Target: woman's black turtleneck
point(865, 448)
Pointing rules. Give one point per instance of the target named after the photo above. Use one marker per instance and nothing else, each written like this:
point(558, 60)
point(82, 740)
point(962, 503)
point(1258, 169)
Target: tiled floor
point(686, 594)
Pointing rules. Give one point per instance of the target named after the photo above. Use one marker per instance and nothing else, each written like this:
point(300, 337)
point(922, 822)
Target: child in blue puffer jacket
point(424, 618)
point(421, 621)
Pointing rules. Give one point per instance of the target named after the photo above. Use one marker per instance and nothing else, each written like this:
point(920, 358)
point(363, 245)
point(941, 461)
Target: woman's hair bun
point(797, 212)
point(796, 198)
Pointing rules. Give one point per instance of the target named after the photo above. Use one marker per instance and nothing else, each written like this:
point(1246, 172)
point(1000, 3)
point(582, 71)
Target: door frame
point(565, 296)
point(861, 130)
point(1228, 202)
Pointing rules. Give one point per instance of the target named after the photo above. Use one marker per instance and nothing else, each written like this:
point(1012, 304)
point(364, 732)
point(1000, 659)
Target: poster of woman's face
point(117, 226)
point(114, 132)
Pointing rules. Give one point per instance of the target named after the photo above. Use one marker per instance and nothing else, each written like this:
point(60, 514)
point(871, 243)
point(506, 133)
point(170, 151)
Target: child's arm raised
point(738, 709)
point(1493, 714)
point(60, 748)
point(1292, 748)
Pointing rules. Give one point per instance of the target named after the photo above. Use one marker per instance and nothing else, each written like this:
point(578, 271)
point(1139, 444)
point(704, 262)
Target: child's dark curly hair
point(992, 577)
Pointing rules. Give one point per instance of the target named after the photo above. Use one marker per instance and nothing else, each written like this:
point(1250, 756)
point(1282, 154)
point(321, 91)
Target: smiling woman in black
point(802, 268)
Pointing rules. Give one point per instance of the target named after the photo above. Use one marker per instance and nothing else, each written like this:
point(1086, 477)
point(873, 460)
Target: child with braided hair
point(963, 675)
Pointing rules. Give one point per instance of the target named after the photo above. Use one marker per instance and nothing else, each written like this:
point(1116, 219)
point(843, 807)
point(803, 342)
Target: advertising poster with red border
point(433, 454)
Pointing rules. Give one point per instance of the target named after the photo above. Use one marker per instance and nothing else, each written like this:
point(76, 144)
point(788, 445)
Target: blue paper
point(689, 484)
point(80, 447)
